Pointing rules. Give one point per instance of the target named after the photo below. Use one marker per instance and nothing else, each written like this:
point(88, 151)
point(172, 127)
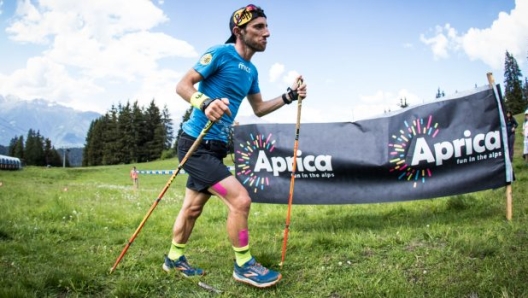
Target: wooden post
point(509, 200)
point(509, 195)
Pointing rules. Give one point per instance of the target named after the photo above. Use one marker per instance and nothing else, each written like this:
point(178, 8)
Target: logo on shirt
point(206, 59)
point(244, 67)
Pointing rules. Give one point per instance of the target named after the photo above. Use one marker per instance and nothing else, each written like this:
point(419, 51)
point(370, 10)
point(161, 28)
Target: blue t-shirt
point(225, 74)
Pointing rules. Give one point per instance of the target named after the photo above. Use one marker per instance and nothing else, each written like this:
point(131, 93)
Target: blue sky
point(359, 58)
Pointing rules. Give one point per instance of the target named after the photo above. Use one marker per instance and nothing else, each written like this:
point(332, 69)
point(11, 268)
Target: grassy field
point(62, 229)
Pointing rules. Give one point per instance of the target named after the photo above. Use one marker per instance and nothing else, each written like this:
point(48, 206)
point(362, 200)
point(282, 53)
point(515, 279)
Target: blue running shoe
point(255, 274)
point(182, 266)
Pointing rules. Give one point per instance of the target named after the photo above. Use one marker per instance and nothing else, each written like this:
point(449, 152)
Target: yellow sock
point(242, 255)
point(176, 251)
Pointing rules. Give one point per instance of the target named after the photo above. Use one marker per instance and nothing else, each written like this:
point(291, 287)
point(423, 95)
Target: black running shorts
point(205, 167)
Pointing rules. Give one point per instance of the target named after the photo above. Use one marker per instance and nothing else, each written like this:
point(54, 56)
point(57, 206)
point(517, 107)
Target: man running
point(226, 76)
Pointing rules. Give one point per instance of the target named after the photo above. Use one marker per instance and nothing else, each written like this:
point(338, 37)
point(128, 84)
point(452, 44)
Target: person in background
point(511, 125)
point(134, 175)
point(226, 76)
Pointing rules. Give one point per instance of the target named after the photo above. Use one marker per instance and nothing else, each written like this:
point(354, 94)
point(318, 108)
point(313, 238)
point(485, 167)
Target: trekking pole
point(193, 148)
point(292, 179)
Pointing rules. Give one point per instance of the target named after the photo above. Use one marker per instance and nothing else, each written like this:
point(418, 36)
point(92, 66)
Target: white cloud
point(1, 4)
point(98, 19)
point(290, 77)
point(44, 78)
point(92, 44)
point(161, 86)
point(382, 102)
point(275, 72)
point(378, 97)
point(127, 57)
point(445, 40)
point(509, 32)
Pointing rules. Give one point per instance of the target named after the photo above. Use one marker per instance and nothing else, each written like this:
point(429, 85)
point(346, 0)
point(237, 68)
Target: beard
point(253, 45)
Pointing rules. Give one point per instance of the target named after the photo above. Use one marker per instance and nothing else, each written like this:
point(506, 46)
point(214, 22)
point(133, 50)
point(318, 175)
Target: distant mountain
point(64, 126)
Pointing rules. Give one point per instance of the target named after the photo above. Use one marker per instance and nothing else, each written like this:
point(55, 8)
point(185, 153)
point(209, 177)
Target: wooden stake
point(509, 201)
point(509, 195)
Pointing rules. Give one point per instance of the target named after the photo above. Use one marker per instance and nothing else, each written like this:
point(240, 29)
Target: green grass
point(62, 229)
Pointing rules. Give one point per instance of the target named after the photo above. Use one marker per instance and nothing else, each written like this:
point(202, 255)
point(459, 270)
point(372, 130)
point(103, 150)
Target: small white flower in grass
point(427, 226)
point(340, 263)
point(425, 272)
point(349, 263)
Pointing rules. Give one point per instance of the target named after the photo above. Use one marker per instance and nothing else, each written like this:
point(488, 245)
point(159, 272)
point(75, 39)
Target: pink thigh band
point(219, 189)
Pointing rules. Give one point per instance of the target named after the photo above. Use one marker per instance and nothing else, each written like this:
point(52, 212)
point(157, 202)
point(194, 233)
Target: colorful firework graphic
point(250, 150)
point(400, 145)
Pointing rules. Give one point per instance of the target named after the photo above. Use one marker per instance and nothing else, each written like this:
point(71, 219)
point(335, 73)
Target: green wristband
point(197, 99)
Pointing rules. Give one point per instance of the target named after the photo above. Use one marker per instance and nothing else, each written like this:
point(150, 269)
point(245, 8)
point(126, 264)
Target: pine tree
point(34, 149)
point(19, 151)
point(30, 151)
point(513, 85)
point(403, 103)
point(127, 148)
point(167, 124)
point(440, 93)
point(156, 129)
point(56, 159)
point(141, 133)
point(48, 155)
point(128, 134)
point(51, 156)
point(111, 139)
point(88, 149)
point(93, 149)
point(11, 147)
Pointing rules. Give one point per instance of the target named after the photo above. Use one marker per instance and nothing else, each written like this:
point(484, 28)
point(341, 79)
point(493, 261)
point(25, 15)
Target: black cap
point(241, 17)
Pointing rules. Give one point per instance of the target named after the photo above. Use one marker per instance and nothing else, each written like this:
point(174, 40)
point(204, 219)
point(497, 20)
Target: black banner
point(444, 148)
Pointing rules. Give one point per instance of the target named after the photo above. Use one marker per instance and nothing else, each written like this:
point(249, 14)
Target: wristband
point(197, 99)
point(206, 103)
point(285, 99)
point(292, 94)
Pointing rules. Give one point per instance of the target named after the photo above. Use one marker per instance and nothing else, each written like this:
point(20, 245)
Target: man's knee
point(242, 203)
point(193, 212)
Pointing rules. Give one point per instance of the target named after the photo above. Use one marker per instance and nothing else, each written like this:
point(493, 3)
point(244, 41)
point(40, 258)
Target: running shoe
point(182, 266)
point(255, 274)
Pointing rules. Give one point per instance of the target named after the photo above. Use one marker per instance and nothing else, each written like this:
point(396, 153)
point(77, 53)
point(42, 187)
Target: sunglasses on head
point(245, 15)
